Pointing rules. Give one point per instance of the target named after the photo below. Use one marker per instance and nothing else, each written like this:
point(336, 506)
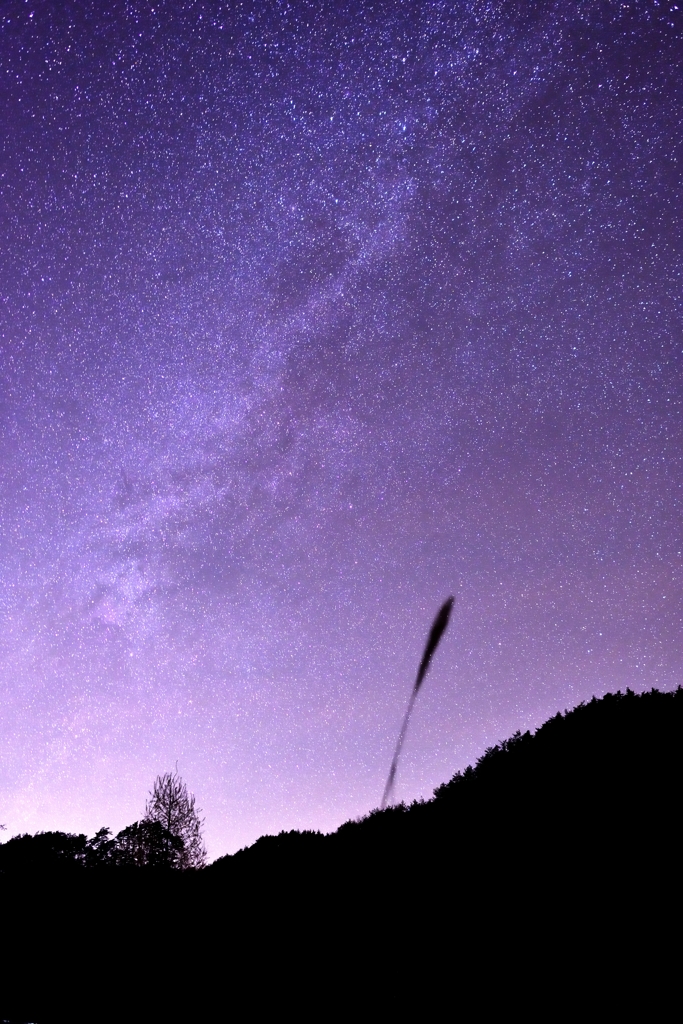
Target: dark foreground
point(544, 881)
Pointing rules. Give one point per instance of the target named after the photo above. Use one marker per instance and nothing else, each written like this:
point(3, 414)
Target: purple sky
point(313, 314)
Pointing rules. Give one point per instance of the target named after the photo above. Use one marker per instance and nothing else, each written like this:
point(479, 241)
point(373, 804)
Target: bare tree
point(174, 808)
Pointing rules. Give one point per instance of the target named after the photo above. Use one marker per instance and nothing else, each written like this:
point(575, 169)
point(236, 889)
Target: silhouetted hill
point(608, 772)
point(555, 857)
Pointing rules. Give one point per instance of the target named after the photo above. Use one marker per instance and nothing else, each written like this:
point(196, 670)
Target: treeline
point(142, 844)
point(555, 856)
point(605, 776)
point(169, 836)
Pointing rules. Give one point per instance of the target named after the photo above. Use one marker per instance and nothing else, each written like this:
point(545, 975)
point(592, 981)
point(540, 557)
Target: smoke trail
point(435, 634)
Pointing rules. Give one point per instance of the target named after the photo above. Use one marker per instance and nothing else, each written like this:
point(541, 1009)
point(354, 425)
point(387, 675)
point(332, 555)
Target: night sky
point(312, 315)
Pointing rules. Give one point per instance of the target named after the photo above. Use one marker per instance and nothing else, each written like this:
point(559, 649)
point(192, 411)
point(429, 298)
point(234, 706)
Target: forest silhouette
point(552, 861)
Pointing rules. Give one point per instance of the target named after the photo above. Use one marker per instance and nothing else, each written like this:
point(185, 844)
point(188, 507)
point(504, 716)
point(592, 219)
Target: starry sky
point(313, 314)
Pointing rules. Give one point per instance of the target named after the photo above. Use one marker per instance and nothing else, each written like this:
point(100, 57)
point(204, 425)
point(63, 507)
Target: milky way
point(313, 314)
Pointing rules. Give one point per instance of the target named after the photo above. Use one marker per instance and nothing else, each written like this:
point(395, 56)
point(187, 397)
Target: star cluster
point(312, 314)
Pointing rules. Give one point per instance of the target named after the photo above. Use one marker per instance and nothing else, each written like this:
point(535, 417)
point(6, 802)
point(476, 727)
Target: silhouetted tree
point(44, 851)
point(146, 844)
point(172, 807)
point(100, 850)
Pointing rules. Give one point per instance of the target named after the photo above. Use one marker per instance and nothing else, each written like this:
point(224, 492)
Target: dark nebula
point(313, 314)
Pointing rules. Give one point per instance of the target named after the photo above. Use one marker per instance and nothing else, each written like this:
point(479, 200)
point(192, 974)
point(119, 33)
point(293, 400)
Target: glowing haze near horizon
point(314, 314)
